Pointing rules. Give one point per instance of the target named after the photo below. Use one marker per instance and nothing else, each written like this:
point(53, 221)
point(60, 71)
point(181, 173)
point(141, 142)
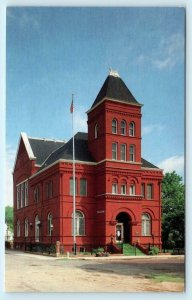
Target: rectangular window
point(123, 152)
point(114, 188)
point(132, 153)
point(71, 186)
point(49, 189)
point(22, 194)
point(83, 187)
point(143, 190)
point(114, 151)
point(36, 194)
point(26, 193)
point(149, 191)
point(123, 189)
point(18, 196)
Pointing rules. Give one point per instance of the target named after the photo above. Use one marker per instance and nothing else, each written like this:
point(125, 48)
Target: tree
point(9, 217)
point(173, 209)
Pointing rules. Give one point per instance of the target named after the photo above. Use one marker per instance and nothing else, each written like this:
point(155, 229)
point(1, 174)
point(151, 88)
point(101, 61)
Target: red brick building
point(118, 193)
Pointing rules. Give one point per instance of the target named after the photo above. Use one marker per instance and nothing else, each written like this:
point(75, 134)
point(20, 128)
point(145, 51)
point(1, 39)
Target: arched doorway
point(123, 228)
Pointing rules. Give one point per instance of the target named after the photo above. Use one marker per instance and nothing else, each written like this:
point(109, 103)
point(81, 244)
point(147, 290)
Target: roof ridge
point(47, 139)
point(52, 153)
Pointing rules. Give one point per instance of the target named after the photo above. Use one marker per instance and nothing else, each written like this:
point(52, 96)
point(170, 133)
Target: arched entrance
point(123, 228)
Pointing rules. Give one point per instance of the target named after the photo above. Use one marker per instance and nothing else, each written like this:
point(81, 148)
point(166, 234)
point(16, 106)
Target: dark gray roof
point(66, 151)
point(81, 152)
point(115, 88)
point(147, 164)
point(42, 148)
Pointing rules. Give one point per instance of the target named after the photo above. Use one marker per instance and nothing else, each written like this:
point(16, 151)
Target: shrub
point(153, 251)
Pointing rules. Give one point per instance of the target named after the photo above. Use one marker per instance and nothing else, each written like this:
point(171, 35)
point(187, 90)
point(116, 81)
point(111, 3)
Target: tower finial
point(113, 72)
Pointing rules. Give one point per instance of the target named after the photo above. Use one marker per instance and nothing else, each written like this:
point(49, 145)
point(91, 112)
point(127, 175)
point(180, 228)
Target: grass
point(165, 277)
point(130, 250)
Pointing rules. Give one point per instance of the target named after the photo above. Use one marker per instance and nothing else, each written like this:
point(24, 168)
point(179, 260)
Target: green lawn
point(165, 277)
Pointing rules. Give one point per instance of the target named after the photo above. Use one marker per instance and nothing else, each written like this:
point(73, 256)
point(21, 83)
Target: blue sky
point(54, 52)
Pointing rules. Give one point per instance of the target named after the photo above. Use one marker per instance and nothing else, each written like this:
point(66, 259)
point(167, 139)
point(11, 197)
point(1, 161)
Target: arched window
point(132, 152)
point(123, 127)
point(132, 189)
point(37, 229)
point(18, 228)
point(146, 225)
point(26, 228)
point(114, 187)
point(96, 131)
point(114, 126)
point(123, 187)
point(49, 224)
point(79, 223)
point(132, 129)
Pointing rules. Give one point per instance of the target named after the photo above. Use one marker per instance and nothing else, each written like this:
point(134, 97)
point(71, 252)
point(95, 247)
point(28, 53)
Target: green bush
point(153, 251)
point(98, 250)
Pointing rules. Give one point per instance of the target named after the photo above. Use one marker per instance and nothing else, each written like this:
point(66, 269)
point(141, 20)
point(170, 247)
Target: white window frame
point(71, 186)
point(85, 192)
point(18, 228)
point(114, 188)
point(49, 224)
point(132, 153)
point(146, 224)
point(123, 152)
point(114, 151)
point(131, 129)
point(132, 189)
point(79, 223)
point(26, 193)
point(123, 189)
point(22, 194)
point(114, 126)
point(18, 196)
point(37, 229)
point(26, 227)
point(123, 127)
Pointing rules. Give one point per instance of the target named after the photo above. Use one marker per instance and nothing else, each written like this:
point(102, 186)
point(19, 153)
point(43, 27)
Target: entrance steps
point(125, 249)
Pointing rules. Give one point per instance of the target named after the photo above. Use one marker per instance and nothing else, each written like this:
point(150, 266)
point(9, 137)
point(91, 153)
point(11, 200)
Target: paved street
point(35, 273)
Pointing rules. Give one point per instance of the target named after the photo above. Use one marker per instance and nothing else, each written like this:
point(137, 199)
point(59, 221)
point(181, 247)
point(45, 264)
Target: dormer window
point(114, 126)
point(132, 129)
point(96, 131)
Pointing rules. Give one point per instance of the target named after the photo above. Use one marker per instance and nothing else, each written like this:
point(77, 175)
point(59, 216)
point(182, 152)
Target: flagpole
point(74, 183)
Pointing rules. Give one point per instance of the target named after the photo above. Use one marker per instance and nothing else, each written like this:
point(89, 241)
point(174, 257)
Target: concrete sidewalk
point(120, 257)
point(93, 257)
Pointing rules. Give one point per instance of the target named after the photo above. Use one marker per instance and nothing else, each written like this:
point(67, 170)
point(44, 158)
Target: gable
point(24, 152)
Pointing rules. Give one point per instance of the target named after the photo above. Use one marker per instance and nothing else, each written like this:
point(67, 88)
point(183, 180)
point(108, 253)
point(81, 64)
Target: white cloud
point(174, 163)
point(166, 54)
point(10, 159)
point(152, 127)
point(170, 52)
point(23, 19)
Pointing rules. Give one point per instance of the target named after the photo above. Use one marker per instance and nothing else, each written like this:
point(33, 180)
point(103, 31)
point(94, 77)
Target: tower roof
point(116, 89)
